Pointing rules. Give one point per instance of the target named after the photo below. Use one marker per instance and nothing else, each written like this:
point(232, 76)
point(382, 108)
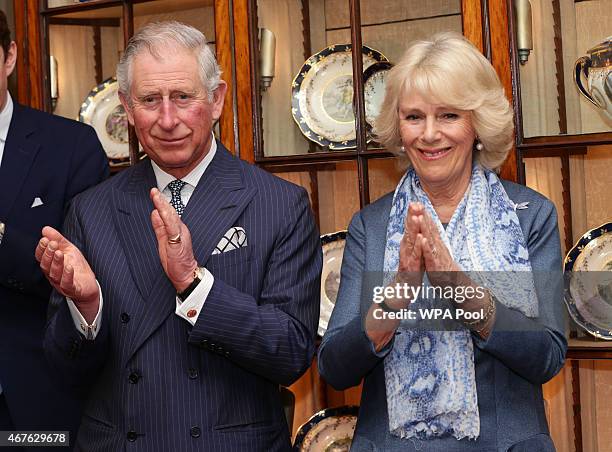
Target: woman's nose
point(431, 132)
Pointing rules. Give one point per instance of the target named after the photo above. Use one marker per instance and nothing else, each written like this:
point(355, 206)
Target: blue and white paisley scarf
point(429, 375)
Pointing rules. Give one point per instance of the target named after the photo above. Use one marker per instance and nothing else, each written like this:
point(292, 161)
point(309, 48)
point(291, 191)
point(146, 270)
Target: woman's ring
point(174, 240)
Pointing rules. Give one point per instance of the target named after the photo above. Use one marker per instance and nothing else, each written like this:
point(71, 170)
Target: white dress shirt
point(5, 121)
point(194, 302)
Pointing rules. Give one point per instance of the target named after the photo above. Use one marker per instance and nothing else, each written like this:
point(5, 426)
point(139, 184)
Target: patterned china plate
point(322, 96)
point(333, 249)
point(588, 295)
point(330, 430)
point(374, 90)
point(103, 111)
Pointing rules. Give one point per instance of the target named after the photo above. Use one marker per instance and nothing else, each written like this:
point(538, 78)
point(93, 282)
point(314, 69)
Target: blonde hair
point(449, 70)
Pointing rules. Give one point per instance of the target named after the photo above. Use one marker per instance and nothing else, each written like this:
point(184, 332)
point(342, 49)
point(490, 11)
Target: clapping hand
point(173, 242)
point(411, 263)
point(68, 271)
point(422, 242)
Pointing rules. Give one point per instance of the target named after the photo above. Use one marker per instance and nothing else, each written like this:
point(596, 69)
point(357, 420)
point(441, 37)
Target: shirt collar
point(5, 117)
point(163, 178)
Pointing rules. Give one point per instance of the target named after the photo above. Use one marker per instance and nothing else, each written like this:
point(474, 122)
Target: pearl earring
point(479, 146)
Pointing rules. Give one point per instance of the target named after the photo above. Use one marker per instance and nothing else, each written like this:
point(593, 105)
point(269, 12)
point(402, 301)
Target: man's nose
point(168, 118)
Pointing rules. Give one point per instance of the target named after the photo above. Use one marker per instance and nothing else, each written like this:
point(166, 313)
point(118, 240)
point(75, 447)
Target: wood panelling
point(30, 75)
point(310, 398)
point(472, 22)
point(500, 56)
point(223, 45)
point(242, 56)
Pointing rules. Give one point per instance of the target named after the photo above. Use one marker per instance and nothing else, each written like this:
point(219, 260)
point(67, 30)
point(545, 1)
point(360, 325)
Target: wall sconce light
point(267, 53)
point(524, 41)
point(53, 80)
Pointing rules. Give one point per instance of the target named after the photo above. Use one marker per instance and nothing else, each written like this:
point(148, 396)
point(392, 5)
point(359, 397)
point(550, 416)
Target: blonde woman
point(477, 386)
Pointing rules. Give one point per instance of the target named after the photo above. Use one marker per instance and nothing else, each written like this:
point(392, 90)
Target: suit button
point(134, 377)
point(204, 343)
point(193, 373)
point(195, 432)
point(131, 436)
point(125, 317)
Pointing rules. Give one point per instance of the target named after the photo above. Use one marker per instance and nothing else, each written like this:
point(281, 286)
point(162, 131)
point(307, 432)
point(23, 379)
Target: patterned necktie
point(175, 188)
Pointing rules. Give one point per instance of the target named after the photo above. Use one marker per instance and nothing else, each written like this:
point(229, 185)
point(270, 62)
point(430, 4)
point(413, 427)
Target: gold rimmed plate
point(333, 250)
point(322, 96)
point(588, 289)
point(103, 111)
point(329, 430)
point(374, 79)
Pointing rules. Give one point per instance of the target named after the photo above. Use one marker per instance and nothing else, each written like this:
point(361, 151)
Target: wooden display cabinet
point(257, 126)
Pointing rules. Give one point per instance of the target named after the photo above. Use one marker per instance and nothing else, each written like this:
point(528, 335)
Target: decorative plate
point(322, 96)
point(374, 90)
point(333, 249)
point(588, 295)
point(330, 430)
point(103, 111)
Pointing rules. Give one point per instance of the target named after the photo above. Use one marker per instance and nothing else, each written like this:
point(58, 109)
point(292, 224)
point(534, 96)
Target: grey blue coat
point(511, 365)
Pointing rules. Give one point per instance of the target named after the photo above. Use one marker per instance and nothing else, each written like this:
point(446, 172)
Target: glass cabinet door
point(563, 31)
point(199, 14)
point(308, 105)
point(84, 49)
point(306, 91)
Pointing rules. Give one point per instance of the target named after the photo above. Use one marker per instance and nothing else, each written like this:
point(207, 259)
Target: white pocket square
point(234, 238)
point(37, 202)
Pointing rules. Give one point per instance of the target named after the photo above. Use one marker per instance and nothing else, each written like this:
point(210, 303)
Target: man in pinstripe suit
point(186, 286)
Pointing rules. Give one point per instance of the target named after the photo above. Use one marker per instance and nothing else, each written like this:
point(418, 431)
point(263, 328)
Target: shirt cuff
point(192, 306)
point(89, 331)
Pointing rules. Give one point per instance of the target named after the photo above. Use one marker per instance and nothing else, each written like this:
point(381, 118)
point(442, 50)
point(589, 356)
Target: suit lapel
point(214, 206)
point(20, 150)
point(218, 200)
point(132, 218)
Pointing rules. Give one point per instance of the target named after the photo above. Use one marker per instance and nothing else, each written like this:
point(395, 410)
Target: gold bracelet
point(487, 315)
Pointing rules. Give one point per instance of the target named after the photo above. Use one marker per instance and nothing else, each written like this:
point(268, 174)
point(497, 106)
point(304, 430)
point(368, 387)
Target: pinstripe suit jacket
point(158, 384)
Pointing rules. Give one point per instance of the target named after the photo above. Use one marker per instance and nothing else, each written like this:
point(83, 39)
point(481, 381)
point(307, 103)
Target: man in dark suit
point(194, 275)
point(44, 161)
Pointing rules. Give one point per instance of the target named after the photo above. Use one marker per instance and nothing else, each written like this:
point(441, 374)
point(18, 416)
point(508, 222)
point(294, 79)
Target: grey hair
point(156, 36)
point(449, 70)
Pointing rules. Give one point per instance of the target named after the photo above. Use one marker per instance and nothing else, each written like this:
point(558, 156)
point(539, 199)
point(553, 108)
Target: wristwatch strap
point(198, 275)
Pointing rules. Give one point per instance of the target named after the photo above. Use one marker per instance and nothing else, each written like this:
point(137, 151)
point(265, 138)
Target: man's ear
point(10, 59)
point(127, 107)
point(218, 99)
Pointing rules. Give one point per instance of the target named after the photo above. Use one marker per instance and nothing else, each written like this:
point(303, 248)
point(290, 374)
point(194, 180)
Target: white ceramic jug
point(596, 69)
